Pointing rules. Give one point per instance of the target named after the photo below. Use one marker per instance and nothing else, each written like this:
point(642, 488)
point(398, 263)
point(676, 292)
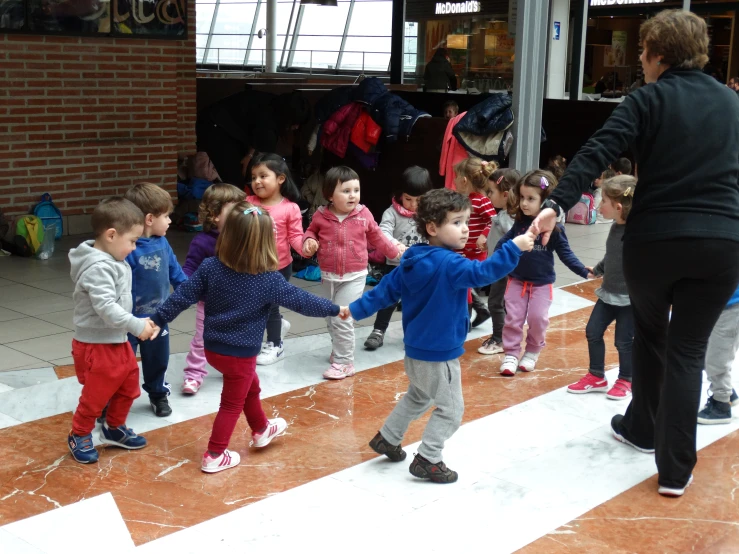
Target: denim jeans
point(602, 316)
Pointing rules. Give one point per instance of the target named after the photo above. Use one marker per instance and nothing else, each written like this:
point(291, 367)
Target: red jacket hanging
point(338, 128)
point(451, 153)
point(366, 133)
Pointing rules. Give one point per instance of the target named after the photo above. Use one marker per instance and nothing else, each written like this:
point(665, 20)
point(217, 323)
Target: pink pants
point(524, 301)
point(195, 361)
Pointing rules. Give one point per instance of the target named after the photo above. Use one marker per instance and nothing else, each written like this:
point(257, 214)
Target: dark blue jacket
point(433, 283)
point(396, 116)
point(537, 266)
point(330, 102)
point(154, 267)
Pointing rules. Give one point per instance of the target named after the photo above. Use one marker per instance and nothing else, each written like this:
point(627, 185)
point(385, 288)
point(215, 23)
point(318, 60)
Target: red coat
point(451, 153)
point(366, 133)
point(338, 128)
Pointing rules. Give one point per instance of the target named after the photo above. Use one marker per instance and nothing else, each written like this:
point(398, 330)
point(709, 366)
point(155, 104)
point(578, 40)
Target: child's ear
point(280, 179)
point(431, 229)
point(110, 234)
point(149, 220)
point(505, 194)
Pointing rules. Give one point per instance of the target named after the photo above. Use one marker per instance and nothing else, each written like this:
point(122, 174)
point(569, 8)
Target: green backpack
point(31, 229)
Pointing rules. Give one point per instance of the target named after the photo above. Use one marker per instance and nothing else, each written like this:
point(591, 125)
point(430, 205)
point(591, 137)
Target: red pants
point(109, 376)
point(240, 393)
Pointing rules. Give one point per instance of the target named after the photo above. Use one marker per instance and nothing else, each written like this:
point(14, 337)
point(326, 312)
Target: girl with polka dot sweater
point(241, 283)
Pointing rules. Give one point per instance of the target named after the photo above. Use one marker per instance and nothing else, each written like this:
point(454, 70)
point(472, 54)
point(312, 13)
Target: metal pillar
point(528, 83)
point(579, 31)
point(397, 42)
point(686, 5)
point(271, 65)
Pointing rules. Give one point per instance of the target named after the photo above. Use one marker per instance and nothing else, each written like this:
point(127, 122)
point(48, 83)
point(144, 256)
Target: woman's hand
point(310, 247)
point(544, 224)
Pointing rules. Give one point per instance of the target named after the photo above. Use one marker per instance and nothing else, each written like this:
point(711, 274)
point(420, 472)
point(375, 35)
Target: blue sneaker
point(121, 436)
point(82, 449)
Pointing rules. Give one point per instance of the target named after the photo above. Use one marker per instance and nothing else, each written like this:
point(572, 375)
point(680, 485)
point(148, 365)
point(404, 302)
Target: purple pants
point(524, 301)
point(195, 361)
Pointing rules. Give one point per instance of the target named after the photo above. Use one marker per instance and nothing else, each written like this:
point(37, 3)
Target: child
point(450, 109)
point(312, 189)
point(598, 194)
point(622, 166)
point(613, 298)
point(339, 233)
point(218, 201)
point(557, 166)
point(472, 181)
point(723, 345)
point(432, 281)
point(103, 359)
point(241, 283)
point(400, 227)
point(500, 191)
point(530, 292)
point(154, 268)
point(275, 191)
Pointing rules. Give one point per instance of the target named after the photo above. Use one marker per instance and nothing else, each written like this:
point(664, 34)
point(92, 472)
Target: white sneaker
point(490, 347)
point(227, 460)
point(270, 354)
point(285, 327)
point(338, 372)
point(528, 362)
point(274, 429)
point(509, 366)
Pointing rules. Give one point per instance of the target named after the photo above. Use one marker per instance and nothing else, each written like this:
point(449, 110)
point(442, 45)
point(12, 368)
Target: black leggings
point(695, 278)
point(274, 320)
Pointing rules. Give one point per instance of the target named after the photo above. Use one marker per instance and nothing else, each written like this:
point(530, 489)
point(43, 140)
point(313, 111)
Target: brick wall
point(84, 118)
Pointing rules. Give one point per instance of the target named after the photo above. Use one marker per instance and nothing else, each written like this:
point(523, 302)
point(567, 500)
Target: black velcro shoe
point(438, 473)
point(160, 406)
point(375, 339)
point(381, 446)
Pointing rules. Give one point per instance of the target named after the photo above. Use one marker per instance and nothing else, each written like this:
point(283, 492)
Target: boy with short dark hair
point(622, 166)
point(154, 267)
point(450, 109)
point(433, 281)
point(103, 359)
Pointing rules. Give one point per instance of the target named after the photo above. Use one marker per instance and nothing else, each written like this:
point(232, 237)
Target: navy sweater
point(238, 305)
point(537, 266)
point(154, 267)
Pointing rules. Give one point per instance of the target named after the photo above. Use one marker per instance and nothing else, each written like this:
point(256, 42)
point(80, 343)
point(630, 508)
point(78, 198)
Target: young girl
point(339, 233)
point(500, 193)
point(400, 227)
point(472, 181)
point(217, 202)
point(613, 298)
point(530, 292)
point(241, 284)
point(275, 191)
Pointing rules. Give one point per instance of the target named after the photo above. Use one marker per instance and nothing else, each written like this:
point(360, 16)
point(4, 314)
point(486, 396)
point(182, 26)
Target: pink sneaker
point(589, 383)
point(339, 371)
point(190, 386)
point(621, 390)
point(227, 460)
point(274, 429)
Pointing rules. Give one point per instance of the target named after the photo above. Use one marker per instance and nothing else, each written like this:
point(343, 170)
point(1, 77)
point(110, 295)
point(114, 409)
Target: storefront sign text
point(471, 6)
point(599, 3)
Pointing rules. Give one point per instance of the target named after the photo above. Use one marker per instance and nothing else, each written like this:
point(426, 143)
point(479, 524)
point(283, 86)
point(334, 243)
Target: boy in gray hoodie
point(103, 359)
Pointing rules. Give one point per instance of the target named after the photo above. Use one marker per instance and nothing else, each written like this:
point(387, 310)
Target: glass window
point(371, 19)
point(317, 52)
point(324, 20)
point(235, 19)
point(203, 17)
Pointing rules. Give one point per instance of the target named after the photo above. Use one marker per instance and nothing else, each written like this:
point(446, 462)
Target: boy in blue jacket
point(433, 281)
point(154, 268)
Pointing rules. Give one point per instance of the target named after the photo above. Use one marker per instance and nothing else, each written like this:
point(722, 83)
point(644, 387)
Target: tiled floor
point(36, 304)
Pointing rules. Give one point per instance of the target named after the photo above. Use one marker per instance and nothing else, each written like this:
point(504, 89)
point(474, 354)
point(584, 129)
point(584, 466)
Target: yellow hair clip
point(628, 192)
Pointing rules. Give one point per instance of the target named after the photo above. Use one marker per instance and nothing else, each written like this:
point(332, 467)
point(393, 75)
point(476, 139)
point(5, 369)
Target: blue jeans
point(602, 316)
point(154, 361)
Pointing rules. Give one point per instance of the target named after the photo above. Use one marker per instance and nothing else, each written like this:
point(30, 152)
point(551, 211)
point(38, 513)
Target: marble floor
point(538, 469)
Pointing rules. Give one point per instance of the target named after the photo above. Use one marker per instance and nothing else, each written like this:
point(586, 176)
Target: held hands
point(525, 242)
point(544, 224)
point(591, 275)
point(401, 248)
point(344, 312)
point(482, 242)
point(151, 330)
point(310, 247)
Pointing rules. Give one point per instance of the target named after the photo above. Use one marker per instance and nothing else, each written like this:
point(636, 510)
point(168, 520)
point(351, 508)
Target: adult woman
point(681, 244)
point(439, 75)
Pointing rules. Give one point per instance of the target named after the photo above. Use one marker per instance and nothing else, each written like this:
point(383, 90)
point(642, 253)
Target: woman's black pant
point(695, 278)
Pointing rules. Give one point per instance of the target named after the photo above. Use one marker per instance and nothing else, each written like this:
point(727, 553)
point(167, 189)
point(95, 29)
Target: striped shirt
point(481, 218)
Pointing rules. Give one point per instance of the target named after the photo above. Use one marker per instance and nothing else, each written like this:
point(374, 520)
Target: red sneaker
point(589, 383)
point(621, 390)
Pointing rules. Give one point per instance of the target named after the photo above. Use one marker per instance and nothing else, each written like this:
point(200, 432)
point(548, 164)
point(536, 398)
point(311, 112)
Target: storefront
point(478, 34)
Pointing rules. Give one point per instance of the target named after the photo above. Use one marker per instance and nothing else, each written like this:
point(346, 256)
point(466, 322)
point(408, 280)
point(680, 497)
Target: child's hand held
point(310, 247)
point(525, 242)
point(482, 241)
point(344, 312)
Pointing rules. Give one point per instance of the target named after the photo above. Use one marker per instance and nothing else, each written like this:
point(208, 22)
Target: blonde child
point(399, 226)
point(275, 191)
point(217, 202)
point(339, 233)
point(472, 181)
point(500, 193)
point(613, 298)
point(530, 292)
point(241, 283)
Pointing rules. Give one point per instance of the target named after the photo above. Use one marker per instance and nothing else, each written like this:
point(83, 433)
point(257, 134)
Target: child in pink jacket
point(339, 233)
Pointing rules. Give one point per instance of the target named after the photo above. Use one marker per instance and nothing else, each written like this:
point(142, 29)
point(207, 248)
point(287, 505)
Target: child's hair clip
point(628, 192)
point(500, 179)
point(543, 182)
point(253, 210)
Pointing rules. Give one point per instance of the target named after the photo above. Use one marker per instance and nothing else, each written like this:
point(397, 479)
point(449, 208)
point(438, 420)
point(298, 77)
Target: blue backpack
point(48, 213)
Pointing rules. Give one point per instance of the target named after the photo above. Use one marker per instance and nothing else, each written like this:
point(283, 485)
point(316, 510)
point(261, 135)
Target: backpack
point(584, 212)
point(48, 213)
point(31, 229)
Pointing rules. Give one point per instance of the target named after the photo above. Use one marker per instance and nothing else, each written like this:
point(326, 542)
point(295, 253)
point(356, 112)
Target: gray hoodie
point(102, 297)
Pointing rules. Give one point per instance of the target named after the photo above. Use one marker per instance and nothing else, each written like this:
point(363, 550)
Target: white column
point(271, 54)
point(557, 61)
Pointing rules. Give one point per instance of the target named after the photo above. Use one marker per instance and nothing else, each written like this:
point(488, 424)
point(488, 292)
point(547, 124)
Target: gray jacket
point(399, 228)
point(102, 297)
point(502, 223)
point(613, 291)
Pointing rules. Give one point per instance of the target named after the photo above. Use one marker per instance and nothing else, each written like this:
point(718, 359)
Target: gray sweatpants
point(722, 348)
point(431, 384)
point(341, 331)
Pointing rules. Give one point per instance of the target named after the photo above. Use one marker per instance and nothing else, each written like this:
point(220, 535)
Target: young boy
point(450, 109)
point(723, 345)
point(103, 359)
point(433, 280)
point(154, 267)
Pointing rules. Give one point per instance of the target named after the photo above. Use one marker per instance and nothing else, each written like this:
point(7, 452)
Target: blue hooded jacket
point(155, 267)
point(433, 283)
point(734, 299)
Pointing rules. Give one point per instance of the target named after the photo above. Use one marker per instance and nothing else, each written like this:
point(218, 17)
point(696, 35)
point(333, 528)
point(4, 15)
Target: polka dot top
point(238, 305)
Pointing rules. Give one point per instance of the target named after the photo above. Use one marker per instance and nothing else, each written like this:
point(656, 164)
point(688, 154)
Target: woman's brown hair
point(247, 242)
point(539, 179)
point(620, 189)
point(214, 198)
point(476, 171)
point(680, 37)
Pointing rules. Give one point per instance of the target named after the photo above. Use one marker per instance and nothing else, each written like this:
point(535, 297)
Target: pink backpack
point(584, 212)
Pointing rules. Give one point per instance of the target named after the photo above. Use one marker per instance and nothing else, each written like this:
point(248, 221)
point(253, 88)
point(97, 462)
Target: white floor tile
point(28, 328)
point(13, 359)
point(48, 348)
